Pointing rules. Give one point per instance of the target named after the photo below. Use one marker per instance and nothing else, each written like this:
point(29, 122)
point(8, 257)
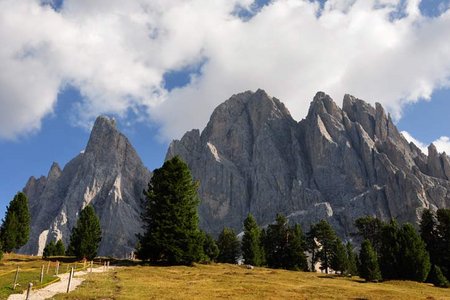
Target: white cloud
point(116, 53)
point(442, 144)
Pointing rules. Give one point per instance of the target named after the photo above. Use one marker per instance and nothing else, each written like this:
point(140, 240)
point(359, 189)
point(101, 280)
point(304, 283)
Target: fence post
point(42, 274)
point(30, 286)
point(57, 268)
point(92, 262)
point(48, 266)
point(16, 278)
point(70, 279)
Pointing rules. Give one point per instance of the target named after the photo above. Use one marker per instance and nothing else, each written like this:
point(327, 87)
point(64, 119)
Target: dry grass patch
point(222, 281)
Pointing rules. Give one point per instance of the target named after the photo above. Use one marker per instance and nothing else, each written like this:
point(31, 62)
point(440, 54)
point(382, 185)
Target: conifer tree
point(437, 278)
point(284, 246)
point(390, 251)
point(1, 251)
point(275, 244)
point(414, 261)
point(86, 235)
point(229, 246)
point(323, 239)
point(339, 259)
point(296, 258)
point(443, 244)
point(252, 250)
point(210, 248)
point(369, 228)
point(59, 248)
point(49, 250)
point(15, 229)
point(171, 232)
point(428, 233)
point(369, 269)
point(352, 260)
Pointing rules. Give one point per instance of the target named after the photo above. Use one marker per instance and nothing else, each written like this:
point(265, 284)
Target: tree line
point(172, 236)
point(15, 231)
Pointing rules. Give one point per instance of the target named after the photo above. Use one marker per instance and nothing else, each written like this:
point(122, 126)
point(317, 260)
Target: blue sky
point(50, 94)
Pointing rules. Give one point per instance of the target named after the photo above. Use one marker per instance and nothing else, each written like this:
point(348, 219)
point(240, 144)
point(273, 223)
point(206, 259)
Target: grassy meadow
point(216, 281)
point(30, 271)
point(223, 281)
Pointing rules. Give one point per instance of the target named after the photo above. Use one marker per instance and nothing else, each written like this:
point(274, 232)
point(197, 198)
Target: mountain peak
point(104, 132)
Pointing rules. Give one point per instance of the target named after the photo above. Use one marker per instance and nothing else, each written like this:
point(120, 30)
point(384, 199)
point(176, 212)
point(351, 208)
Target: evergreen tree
point(15, 229)
point(414, 261)
point(295, 256)
point(339, 260)
point(369, 269)
point(252, 250)
point(49, 250)
point(275, 243)
point(86, 235)
point(390, 251)
point(210, 248)
point(229, 246)
point(352, 267)
point(369, 228)
point(284, 246)
point(443, 244)
point(1, 251)
point(170, 218)
point(428, 233)
point(59, 248)
point(437, 278)
point(323, 241)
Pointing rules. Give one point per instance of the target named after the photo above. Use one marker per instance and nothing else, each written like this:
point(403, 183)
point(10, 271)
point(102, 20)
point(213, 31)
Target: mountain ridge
point(336, 163)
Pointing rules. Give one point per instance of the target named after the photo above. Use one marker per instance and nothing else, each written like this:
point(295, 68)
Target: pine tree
point(252, 251)
point(86, 235)
point(428, 233)
point(49, 250)
point(284, 246)
point(1, 251)
point(437, 278)
point(59, 248)
point(323, 241)
point(443, 244)
point(229, 246)
point(390, 251)
point(295, 257)
point(369, 269)
point(15, 229)
point(170, 218)
point(369, 228)
point(414, 261)
point(275, 245)
point(339, 259)
point(210, 248)
point(352, 260)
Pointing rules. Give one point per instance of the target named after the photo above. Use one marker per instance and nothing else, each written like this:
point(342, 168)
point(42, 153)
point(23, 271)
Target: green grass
point(29, 271)
point(222, 281)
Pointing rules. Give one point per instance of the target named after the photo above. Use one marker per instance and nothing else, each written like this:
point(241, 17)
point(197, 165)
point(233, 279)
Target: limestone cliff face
point(337, 164)
point(109, 175)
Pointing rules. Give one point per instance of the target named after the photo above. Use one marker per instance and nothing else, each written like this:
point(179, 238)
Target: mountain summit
point(109, 175)
point(336, 164)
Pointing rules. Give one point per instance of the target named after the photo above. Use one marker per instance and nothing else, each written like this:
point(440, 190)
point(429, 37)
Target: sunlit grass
point(224, 281)
point(29, 271)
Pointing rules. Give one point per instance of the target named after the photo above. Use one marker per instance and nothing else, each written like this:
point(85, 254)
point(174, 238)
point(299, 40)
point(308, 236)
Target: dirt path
point(57, 287)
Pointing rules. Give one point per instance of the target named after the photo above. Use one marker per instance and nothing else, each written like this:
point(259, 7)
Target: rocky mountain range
point(109, 175)
point(336, 164)
point(253, 157)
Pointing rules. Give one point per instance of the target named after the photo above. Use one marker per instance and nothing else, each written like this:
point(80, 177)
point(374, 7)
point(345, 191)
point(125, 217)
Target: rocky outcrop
point(337, 164)
point(108, 175)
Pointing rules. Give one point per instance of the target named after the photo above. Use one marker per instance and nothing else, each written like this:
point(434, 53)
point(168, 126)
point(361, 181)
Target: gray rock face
point(336, 164)
point(109, 175)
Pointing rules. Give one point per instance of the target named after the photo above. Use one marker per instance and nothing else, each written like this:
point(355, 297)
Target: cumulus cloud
point(442, 144)
point(117, 52)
